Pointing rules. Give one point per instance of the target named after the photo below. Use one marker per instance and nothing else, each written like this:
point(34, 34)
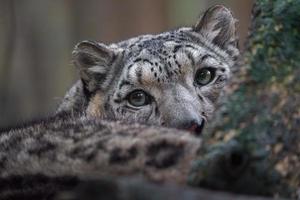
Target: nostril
point(196, 127)
point(192, 127)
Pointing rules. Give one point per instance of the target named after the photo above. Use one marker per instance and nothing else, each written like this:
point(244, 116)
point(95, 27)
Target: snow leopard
point(171, 79)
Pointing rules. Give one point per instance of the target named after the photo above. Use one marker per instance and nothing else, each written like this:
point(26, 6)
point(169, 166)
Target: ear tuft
point(93, 61)
point(217, 25)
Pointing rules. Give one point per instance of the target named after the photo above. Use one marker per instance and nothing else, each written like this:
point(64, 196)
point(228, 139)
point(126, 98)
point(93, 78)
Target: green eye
point(204, 76)
point(138, 98)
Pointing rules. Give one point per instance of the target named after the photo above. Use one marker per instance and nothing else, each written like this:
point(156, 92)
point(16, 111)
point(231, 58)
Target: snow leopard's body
point(43, 158)
point(164, 68)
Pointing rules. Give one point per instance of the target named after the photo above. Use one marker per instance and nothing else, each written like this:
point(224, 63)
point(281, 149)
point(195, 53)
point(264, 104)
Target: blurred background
point(37, 38)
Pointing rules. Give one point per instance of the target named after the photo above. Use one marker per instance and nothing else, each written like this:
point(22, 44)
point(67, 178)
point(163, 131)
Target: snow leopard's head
point(171, 79)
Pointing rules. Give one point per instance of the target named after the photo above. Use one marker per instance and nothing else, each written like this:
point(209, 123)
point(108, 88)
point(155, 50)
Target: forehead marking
point(204, 57)
point(138, 73)
point(148, 61)
point(123, 83)
point(179, 55)
point(210, 47)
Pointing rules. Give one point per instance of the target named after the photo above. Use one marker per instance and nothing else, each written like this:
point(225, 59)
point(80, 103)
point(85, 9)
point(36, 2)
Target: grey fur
point(54, 155)
point(162, 65)
point(67, 146)
point(77, 142)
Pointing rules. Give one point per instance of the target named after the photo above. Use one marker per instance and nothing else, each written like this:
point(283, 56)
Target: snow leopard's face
point(171, 79)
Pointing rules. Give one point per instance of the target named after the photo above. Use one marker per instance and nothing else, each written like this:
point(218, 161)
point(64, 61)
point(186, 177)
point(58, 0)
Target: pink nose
point(196, 127)
point(193, 128)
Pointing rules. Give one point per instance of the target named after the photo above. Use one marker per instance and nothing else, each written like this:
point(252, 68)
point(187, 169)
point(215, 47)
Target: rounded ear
point(217, 25)
point(93, 61)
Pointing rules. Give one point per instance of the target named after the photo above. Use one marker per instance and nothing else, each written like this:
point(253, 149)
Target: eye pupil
point(138, 98)
point(204, 76)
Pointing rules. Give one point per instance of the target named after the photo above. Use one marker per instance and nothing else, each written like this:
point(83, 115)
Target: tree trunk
point(256, 140)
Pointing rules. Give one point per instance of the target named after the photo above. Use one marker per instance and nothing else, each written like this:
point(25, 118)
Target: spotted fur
point(42, 158)
point(162, 65)
point(83, 146)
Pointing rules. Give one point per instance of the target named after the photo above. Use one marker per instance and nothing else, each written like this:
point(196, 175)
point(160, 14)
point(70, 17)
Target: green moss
point(272, 61)
point(264, 109)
